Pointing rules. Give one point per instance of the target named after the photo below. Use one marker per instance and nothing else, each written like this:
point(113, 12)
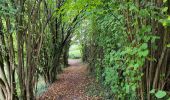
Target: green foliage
point(6, 8)
point(168, 45)
point(116, 36)
point(125, 52)
point(75, 52)
point(160, 94)
point(166, 22)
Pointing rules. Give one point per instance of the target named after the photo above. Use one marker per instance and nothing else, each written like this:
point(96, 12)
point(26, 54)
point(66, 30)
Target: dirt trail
point(71, 84)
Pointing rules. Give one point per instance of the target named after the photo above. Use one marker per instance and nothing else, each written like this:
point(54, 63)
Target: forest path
point(71, 84)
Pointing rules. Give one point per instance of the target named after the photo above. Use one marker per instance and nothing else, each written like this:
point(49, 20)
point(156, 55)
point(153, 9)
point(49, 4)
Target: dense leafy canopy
point(125, 42)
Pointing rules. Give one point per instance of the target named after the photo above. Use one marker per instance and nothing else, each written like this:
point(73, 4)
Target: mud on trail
point(71, 84)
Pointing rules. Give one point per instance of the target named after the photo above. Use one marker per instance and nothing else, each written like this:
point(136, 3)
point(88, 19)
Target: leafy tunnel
point(126, 44)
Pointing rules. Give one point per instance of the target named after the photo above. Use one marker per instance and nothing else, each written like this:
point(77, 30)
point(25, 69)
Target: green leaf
point(127, 88)
point(145, 53)
point(165, 9)
point(168, 17)
point(164, 23)
point(144, 13)
point(168, 45)
point(144, 46)
point(160, 94)
point(164, 1)
point(152, 91)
